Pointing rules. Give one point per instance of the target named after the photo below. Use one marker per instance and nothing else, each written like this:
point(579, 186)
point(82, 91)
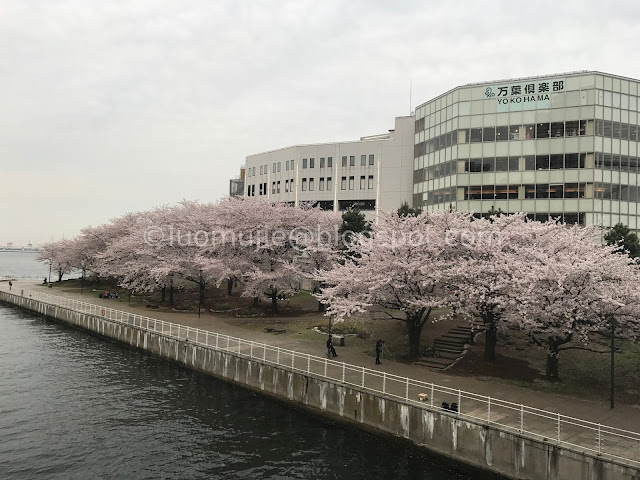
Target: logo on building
point(525, 96)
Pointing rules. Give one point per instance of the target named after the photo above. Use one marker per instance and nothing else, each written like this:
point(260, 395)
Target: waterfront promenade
point(624, 416)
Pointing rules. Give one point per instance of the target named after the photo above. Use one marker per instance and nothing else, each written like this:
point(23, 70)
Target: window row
point(511, 132)
point(322, 184)
point(540, 190)
point(623, 163)
point(435, 171)
point(617, 130)
point(444, 195)
point(531, 162)
point(614, 191)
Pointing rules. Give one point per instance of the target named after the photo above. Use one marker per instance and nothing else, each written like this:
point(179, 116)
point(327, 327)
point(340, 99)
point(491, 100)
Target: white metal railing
point(511, 417)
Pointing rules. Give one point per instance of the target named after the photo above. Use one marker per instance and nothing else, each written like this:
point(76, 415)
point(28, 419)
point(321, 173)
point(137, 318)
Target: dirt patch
point(473, 365)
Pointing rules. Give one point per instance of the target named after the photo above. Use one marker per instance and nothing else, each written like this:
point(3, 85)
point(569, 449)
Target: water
point(23, 264)
point(73, 406)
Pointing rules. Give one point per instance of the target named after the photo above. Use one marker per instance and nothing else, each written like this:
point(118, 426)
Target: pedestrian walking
point(379, 345)
point(330, 349)
point(10, 285)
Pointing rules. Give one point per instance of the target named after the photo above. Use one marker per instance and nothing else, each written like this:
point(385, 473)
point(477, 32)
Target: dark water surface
point(73, 406)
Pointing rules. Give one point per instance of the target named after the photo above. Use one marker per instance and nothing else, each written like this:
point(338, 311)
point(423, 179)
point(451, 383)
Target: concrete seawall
point(473, 443)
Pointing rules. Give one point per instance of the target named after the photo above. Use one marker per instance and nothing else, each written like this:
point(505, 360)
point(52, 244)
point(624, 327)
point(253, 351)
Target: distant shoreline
point(20, 250)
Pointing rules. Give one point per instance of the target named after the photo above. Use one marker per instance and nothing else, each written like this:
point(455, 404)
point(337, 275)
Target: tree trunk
point(415, 331)
point(164, 294)
point(229, 286)
point(60, 275)
point(82, 283)
point(552, 366)
point(321, 306)
point(256, 301)
point(171, 293)
point(274, 303)
point(491, 338)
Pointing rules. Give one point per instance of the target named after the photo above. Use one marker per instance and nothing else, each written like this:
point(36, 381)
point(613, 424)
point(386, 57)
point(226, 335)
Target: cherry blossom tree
point(404, 267)
point(56, 255)
point(566, 286)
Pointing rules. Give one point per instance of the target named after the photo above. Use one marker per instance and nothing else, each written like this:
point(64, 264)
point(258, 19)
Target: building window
point(304, 184)
point(311, 184)
point(279, 165)
point(474, 165)
point(291, 185)
point(502, 164)
point(543, 130)
point(329, 183)
point(291, 164)
point(371, 159)
point(488, 164)
point(370, 182)
point(363, 160)
point(253, 189)
point(351, 182)
point(273, 188)
point(362, 182)
point(489, 134)
point(321, 162)
point(476, 135)
point(329, 162)
point(286, 166)
point(274, 168)
point(556, 162)
point(286, 186)
point(574, 190)
point(312, 162)
point(278, 186)
point(260, 169)
point(529, 132)
point(514, 132)
point(557, 129)
point(344, 161)
point(542, 162)
point(556, 191)
point(304, 163)
point(321, 182)
point(343, 183)
point(502, 134)
point(260, 189)
point(352, 160)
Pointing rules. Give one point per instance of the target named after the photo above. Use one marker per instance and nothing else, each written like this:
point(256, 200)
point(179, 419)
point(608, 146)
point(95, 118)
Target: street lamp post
point(49, 272)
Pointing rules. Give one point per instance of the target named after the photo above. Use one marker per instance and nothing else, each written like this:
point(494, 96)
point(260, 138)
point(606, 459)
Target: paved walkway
point(626, 417)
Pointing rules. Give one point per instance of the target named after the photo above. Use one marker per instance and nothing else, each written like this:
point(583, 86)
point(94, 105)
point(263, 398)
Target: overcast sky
point(108, 107)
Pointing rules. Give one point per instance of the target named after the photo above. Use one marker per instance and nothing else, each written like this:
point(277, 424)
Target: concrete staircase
point(451, 345)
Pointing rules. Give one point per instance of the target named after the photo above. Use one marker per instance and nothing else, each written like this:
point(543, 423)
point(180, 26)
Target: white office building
point(562, 145)
point(372, 173)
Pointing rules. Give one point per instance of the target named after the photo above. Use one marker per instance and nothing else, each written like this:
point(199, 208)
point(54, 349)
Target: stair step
point(449, 343)
point(442, 349)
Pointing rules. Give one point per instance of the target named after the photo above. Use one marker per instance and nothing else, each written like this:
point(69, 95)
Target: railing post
point(406, 391)
point(599, 439)
point(308, 364)
point(459, 402)
point(251, 350)
point(206, 338)
point(488, 409)
point(343, 369)
point(384, 382)
point(264, 353)
point(521, 418)
point(558, 428)
point(277, 355)
point(293, 360)
point(362, 377)
point(217, 338)
point(239, 342)
point(228, 340)
point(431, 396)
point(325, 367)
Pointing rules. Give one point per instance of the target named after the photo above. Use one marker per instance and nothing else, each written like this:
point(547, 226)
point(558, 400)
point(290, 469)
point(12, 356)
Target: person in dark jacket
point(379, 345)
point(330, 349)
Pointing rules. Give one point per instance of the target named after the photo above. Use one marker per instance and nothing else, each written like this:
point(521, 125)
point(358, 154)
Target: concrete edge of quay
point(477, 446)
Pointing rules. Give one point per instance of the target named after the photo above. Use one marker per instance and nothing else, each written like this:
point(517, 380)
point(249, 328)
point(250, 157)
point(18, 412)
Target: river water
point(73, 406)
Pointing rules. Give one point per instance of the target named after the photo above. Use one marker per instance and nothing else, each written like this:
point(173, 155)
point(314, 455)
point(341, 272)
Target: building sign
point(524, 96)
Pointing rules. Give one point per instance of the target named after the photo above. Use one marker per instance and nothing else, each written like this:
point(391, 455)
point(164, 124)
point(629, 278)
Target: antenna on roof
point(410, 85)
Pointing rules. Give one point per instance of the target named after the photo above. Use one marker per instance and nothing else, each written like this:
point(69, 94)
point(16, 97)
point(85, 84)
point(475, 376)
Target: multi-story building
point(371, 173)
point(555, 146)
